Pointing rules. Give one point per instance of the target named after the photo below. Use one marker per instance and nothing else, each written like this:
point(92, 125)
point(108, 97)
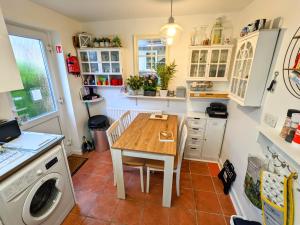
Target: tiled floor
point(201, 201)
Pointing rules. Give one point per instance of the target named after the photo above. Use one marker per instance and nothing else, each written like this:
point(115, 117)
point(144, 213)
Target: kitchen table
point(141, 139)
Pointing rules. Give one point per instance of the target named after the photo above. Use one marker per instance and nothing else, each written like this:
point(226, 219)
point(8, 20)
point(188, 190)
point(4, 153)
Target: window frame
point(43, 36)
point(136, 55)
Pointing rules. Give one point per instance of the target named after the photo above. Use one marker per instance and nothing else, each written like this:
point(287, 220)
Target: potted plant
point(96, 42)
point(165, 74)
point(150, 84)
point(106, 42)
point(134, 83)
point(116, 41)
point(102, 42)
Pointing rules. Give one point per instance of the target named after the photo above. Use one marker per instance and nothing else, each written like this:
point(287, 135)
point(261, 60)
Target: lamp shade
point(170, 30)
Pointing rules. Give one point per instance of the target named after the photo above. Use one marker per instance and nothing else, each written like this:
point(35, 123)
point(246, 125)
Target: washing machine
point(40, 193)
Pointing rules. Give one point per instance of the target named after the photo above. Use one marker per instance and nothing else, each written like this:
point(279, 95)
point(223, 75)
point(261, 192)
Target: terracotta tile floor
point(201, 202)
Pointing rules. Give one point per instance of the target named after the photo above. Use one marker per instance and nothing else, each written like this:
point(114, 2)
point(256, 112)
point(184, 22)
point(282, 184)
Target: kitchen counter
point(24, 156)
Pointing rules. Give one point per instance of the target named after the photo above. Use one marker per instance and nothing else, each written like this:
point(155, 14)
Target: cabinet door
point(219, 60)
point(238, 67)
point(213, 139)
point(198, 63)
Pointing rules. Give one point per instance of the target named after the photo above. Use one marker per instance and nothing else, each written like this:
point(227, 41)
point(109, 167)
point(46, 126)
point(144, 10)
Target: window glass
point(36, 99)
point(150, 52)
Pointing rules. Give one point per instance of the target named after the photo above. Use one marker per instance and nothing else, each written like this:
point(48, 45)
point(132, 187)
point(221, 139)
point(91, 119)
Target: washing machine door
point(43, 199)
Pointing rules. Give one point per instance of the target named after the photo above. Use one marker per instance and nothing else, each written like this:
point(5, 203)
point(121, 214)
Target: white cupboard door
point(10, 78)
point(213, 139)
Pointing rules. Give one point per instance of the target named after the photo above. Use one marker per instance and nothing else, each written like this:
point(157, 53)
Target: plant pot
point(102, 44)
point(163, 93)
point(96, 45)
point(133, 92)
point(149, 93)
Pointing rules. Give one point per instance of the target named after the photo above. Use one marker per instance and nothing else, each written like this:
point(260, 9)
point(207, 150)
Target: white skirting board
point(233, 196)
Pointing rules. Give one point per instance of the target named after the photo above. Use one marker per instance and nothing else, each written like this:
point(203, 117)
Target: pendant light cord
point(171, 8)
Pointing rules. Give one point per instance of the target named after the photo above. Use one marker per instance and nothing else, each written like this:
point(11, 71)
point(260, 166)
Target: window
point(149, 52)
point(36, 99)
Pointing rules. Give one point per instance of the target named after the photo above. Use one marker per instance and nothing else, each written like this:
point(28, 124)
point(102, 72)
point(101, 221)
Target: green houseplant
point(116, 41)
point(165, 74)
point(134, 83)
point(150, 85)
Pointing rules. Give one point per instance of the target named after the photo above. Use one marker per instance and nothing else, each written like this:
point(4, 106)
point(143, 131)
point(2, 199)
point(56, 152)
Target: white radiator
point(115, 113)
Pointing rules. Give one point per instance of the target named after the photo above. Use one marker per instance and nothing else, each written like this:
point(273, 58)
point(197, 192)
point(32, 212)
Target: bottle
point(294, 125)
point(217, 32)
point(297, 135)
point(287, 123)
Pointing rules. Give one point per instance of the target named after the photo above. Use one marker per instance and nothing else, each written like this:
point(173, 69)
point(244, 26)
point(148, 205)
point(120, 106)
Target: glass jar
point(287, 123)
point(294, 125)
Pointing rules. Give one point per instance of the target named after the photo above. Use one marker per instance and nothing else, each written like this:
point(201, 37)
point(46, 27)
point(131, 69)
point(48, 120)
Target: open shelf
point(193, 79)
point(209, 95)
point(155, 97)
point(105, 86)
point(289, 150)
point(94, 100)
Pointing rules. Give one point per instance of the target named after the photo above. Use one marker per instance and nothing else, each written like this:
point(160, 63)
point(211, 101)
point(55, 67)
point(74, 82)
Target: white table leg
point(118, 167)
point(168, 181)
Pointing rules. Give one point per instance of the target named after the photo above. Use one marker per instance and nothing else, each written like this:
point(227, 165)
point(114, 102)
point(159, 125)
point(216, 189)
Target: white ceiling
point(97, 10)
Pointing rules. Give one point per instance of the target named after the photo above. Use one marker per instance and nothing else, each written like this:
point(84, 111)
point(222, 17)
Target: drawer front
point(196, 132)
point(196, 122)
point(195, 140)
point(192, 151)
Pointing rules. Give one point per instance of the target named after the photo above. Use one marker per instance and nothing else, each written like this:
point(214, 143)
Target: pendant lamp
point(171, 29)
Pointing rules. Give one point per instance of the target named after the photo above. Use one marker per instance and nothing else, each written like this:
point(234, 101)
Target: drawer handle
point(195, 128)
point(196, 118)
point(195, 139)
point(194, 148)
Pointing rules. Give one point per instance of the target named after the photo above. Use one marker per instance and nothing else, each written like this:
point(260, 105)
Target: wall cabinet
point(209, 63)
point(10, 78)
point(205, 137)
point(251, 67)
point(101, 67)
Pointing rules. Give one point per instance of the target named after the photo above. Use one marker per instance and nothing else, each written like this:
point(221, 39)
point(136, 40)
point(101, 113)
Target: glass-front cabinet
point(252, 63)
point(242, 68)
point(209, 63)
point(101, 67)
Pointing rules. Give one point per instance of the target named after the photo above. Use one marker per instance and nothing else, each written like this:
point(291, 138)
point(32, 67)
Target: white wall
point(241, 133)
point(126, 29)
point(61, 29)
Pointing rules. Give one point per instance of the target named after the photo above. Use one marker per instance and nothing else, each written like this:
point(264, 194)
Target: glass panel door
point(115, 56)
point(193, 70)
point(105, 56)
point(203, 56)
point(37, 97)
point(93, 56)
point(195, 56)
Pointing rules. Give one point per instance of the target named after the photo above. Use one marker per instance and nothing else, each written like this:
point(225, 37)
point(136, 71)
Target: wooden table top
point(143, 135)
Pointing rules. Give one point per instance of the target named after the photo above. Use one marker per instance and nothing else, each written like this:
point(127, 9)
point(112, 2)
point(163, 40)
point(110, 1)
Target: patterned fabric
point(277, 199)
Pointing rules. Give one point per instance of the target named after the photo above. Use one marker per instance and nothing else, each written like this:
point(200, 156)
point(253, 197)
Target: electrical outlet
point(270, 120)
